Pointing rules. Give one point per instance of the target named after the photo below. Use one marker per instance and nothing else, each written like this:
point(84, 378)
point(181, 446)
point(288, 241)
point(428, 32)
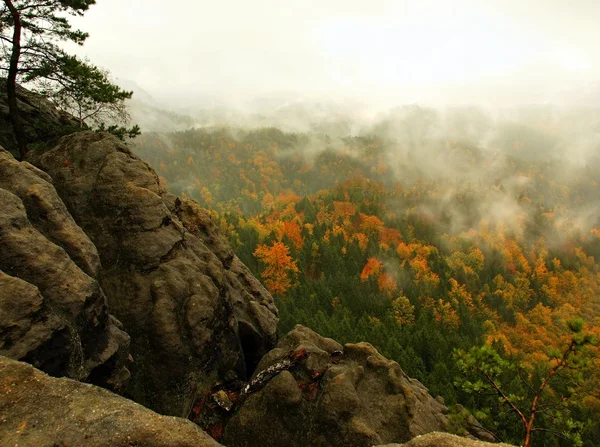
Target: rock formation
point(53, 312)
point(193, 311)
point(37, 410)
point(336, 395)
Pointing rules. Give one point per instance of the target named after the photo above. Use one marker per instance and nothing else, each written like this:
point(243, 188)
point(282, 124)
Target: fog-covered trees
point(31, 32)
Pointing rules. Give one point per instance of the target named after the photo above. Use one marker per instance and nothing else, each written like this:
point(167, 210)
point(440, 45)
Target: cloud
point(384, 51)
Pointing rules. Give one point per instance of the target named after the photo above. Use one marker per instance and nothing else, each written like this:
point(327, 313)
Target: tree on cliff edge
point(30, 31)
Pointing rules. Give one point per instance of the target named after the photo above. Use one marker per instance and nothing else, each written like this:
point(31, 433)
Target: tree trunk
point(527, 442)
point(11, 81)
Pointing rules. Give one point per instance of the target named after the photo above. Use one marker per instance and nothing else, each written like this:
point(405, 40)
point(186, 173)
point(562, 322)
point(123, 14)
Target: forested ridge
point(421, 243)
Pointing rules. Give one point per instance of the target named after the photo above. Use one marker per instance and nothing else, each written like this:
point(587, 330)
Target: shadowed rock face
point(53, 312)
point(37, 410)
point(253, 308)
point(42, 121)
point(193, 310)
point(357, 399)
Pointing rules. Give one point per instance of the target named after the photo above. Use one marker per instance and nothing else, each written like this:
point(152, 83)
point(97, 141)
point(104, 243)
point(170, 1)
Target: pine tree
point(540, 402)
point(30, 31)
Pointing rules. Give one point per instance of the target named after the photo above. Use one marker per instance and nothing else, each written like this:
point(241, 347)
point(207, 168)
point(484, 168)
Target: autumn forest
point(461, 245)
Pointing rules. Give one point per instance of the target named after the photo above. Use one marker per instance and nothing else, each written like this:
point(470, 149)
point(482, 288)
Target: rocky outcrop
point(444, 440)
point(193, 311)
point(351, 396)
point(43, 123)
point(41, 411)
point(53, 312)
point(253, 309)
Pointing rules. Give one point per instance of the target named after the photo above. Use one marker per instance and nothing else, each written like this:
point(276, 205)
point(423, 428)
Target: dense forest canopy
point(424, 233)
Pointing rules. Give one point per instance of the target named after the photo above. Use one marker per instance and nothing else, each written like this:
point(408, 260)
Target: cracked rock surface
point(357, 399)
point(53, 313)
point(193, 310)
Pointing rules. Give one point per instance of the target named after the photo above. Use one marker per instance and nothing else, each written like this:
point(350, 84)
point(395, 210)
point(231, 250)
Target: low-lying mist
point(530, 169)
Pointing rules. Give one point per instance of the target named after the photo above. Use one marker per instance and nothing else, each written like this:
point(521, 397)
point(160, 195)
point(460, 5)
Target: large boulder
point(193, 310)
point(41, 411)
point(331, 396)
point(53, 312)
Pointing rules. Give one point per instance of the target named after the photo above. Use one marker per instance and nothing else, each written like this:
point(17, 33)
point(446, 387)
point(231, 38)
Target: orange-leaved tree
point(373, 267)
point(279, 267)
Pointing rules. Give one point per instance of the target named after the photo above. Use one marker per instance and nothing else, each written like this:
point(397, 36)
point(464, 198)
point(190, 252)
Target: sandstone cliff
point(193, 311)
point(53, 312)
point(42, 122)
point(443, 440)
point(337, 395)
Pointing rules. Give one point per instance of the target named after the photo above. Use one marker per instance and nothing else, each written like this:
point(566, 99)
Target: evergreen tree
point(31, 31)
point(540, 399)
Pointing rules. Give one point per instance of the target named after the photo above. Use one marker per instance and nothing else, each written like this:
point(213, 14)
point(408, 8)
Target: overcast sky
point(405, 50)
